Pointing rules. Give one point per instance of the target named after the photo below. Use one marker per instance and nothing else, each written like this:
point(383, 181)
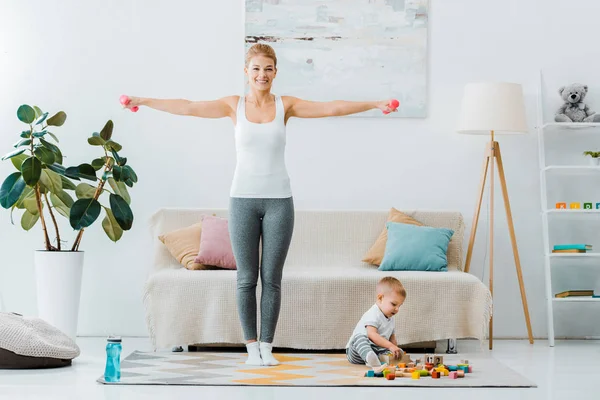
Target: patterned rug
point(297, 369)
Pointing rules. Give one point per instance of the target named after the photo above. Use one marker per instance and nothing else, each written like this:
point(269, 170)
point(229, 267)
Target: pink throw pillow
point(215, 244)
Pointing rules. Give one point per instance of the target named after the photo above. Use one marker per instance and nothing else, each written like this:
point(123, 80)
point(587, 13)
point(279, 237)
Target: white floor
point(569, 370)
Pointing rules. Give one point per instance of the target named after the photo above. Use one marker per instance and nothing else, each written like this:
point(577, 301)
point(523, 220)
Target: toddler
point(374, 333)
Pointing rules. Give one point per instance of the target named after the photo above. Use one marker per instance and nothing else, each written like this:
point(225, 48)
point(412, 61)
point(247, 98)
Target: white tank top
point(260, 148)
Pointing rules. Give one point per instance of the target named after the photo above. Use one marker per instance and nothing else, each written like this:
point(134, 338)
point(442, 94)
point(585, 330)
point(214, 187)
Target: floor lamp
point(489, 109)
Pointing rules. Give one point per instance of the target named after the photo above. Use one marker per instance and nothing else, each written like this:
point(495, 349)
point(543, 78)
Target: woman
point(261, 202)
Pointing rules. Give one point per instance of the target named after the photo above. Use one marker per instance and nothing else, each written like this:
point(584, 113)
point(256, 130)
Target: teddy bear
point(574, 109)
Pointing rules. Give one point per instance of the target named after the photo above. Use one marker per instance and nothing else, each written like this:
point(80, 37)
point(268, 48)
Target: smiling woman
point(261, 203)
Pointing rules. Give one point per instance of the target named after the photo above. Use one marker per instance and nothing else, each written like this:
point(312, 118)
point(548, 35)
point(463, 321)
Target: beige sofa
point(325, 289)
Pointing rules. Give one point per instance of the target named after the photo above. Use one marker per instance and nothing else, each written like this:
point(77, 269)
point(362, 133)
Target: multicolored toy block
point(575, 206)
point(561, 205)
point(437, 360)
point(587, 206)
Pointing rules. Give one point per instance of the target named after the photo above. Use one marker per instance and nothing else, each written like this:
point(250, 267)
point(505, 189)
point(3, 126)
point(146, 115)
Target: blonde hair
point(261, 49)
point(389, 283)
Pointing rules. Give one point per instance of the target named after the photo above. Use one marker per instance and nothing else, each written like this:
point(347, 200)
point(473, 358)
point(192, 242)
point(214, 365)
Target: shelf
point(567, 255)
point(572, 211)
point(578, 299)
point(571, 125)
point(573, 168)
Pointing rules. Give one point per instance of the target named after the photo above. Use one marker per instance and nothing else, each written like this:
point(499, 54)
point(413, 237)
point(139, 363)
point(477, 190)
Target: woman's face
point(261, 71)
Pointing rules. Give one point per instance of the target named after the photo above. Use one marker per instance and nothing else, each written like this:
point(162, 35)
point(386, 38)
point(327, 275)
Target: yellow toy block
point(416, 375)
point(575, 206)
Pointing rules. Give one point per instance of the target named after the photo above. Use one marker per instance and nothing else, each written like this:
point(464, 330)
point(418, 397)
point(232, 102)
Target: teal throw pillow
point(415, 248)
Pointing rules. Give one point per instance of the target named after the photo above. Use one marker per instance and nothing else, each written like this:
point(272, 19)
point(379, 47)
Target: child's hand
point(396, 351)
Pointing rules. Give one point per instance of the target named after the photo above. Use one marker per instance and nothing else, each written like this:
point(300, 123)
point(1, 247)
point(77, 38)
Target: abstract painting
point(354, 50)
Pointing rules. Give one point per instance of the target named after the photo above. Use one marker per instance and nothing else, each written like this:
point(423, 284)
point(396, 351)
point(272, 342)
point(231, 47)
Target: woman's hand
point(387, 106)
point(133, 102)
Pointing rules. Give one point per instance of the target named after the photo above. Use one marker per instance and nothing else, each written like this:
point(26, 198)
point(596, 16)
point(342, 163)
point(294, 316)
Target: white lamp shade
point(492, 106)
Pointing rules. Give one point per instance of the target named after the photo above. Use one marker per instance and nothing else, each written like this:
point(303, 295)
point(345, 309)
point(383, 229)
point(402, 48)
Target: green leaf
point(11, 189)
point(85, 191)
point(41, 119)
point(27, 193)
point(57, 119)
point(25, 134)
point(120, 189)
point(30, 204)
point(22, 142)
point(111, 226)
point(53, 137)
point(96, 141)
point(26, 114)
point(107, 131)
point(13, 154)
point(38, 111)
point(45, 155)
point(59, 169)
point(111, 145)
point(121, 211)
point(31, 170)
point(50, 146)
point(29, 220)
point(51, 180)
point(62, 202)
point(39, 134)
point(67, 184)
point(130, 173)
point(86, 171)
point(59, 156)
point(98, 163)
point(84, 212)
point(18, 160)
point(116, 170)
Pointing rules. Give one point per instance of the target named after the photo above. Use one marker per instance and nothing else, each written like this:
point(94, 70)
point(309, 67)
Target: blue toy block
point(370, 374)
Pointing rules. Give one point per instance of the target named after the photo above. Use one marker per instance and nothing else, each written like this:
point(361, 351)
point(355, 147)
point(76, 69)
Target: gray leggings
point(249, 219)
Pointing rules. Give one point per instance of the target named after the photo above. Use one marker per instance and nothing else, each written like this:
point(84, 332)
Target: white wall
point(79, 57)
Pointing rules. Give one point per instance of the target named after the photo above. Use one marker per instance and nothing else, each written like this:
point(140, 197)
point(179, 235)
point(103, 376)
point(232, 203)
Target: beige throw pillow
point(184, 245)
point(375, 254)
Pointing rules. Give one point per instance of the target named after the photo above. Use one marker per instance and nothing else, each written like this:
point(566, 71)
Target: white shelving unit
point(543, 129)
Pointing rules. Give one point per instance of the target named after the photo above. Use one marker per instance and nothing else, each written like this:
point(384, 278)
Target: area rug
point(296, 369)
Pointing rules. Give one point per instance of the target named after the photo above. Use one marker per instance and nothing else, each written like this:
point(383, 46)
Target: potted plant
point(594, 160)
point(40, 189)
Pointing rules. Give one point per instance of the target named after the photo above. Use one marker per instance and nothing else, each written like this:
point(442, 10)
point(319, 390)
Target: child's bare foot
point(380, 368)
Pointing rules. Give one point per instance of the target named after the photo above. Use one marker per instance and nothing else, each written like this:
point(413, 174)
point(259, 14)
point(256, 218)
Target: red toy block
point(390, 377)
point(435, 375)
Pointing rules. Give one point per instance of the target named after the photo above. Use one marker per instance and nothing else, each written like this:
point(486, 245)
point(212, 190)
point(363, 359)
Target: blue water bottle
point(112, 372)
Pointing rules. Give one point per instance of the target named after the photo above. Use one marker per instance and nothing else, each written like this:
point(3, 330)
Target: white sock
point(373, 360)
point(267, 356)
point(253, 354)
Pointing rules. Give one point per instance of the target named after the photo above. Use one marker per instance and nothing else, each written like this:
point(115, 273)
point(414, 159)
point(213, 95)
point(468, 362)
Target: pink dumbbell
point(125, 100)
point(393, 104)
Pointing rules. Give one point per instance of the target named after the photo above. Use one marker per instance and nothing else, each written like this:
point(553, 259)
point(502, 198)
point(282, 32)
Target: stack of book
point(571, 248)
point(576, 293)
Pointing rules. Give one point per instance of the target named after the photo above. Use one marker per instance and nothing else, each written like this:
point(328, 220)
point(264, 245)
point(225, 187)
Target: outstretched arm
point(315, 109)
point(220, 108)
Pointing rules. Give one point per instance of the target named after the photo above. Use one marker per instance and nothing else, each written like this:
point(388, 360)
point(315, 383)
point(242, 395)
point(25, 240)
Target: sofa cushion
point(184, 244)
point(215, 244)
point(375, 254)
point(416, 248)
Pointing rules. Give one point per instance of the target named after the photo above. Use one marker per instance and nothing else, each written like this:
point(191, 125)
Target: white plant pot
point(58, 283)
point(594, 161)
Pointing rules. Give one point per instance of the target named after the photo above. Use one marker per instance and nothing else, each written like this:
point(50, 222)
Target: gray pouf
point(27, 342)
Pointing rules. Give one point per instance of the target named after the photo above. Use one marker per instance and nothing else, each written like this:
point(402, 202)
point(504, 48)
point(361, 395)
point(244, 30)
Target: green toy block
point(587, 206)
point(423, 372)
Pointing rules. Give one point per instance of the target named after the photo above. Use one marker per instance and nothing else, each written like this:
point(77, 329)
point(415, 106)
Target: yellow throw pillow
point(184, 245)
point(375, 254)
